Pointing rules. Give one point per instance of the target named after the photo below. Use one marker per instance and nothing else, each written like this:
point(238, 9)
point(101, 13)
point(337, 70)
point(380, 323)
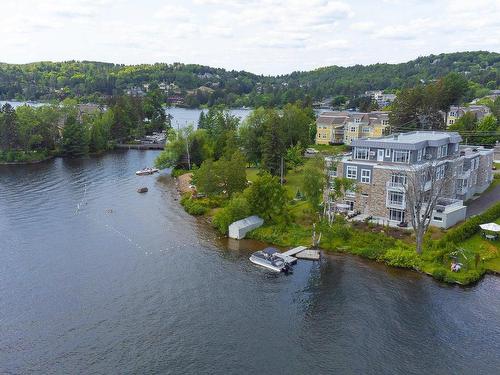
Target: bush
point(237, 209)
point(439, 274)
point(471, 226)
point(401, 257)
point(193, 206)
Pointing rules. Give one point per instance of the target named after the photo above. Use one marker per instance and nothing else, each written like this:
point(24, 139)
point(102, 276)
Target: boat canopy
point(270, 250)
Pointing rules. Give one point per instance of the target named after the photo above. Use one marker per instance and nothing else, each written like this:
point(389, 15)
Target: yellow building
point(344, 127)
point(330, 128)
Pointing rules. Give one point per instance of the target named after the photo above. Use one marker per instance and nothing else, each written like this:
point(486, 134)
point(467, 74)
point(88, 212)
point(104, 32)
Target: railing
point(464, 175)
point(395, 185)
point(395, 204)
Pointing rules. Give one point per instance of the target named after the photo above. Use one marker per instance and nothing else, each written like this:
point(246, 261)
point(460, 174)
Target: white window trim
point(366, 179)
point(349, 170)
point(387, 152)
point(407, 152)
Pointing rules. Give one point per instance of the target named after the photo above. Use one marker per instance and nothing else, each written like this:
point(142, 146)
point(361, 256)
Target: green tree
point(224, 176)
point(238, 208)
point(8, 128)
point(489, 129)
point(273, 147)
point(294, 156)
point(313, 182)
point(75, 140)
point(267, 198)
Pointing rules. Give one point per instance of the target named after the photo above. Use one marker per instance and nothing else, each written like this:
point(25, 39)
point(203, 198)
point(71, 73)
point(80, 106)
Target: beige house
point(455, 113)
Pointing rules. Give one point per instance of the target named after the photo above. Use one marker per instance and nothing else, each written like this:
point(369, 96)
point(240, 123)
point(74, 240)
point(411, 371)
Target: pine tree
point(75, 140)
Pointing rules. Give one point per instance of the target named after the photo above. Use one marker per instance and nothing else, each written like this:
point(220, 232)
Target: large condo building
point(381, 168)
point(343, 126)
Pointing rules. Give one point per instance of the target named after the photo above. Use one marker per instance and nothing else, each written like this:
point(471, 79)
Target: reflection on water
point(96, 278)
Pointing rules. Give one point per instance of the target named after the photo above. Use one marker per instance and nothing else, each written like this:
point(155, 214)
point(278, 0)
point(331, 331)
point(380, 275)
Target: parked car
point(311, 151)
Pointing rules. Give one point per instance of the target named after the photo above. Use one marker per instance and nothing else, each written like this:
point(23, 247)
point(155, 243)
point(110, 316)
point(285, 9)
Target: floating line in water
point(109, 227)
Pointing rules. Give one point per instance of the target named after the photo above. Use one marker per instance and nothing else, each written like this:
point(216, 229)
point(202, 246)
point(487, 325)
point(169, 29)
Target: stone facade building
point(383, 166)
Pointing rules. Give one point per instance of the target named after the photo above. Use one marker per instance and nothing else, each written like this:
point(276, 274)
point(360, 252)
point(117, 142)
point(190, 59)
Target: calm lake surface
point(98, 279)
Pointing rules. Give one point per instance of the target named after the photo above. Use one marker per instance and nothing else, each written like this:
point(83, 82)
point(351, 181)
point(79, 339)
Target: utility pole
point(281, 169)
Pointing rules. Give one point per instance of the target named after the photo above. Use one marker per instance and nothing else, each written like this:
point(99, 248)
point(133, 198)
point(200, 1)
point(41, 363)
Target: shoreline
point(182, 183)
point(27, 162)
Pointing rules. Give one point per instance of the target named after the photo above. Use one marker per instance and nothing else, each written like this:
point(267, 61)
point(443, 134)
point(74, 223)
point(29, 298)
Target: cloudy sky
point(261, 36)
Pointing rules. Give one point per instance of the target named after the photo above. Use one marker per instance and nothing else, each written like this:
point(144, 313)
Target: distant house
point(337, 127)
point(380, 97)
point(456, 112)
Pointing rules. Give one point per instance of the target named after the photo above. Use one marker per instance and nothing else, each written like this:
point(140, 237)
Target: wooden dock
point(300, 252)
point(140, 146)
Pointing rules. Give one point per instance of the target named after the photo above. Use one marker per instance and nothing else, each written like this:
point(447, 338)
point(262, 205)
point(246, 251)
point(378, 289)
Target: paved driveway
point(485, 201)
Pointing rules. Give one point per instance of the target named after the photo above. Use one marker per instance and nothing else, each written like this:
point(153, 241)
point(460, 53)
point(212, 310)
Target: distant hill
point(94, 81)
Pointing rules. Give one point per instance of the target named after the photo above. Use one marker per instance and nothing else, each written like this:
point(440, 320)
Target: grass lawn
point(487, 249)
point(252, 174)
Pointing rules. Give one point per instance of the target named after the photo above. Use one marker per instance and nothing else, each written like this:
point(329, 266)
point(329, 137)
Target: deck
point(300, 252)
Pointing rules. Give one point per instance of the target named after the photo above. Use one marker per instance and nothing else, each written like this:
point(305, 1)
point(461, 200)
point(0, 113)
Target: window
point(401, 156)
point(385, 122)
point(437, 218)
point(387, 152)
point(440, 172)
point(352, 172)
point(398, 179)
point(451, 122)
point(357, 120)
point(396, 198)
point(366, 175)
point(419, 154)
point(366, 129)
point(396, 215)
point(324, 135)
point(352, 129)
point(361, 153)
point(476, 164)
point(442, 151)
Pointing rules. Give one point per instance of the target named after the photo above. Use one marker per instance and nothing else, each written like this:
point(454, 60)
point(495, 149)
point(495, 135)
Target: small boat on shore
point(268, 258)
point(147, 171)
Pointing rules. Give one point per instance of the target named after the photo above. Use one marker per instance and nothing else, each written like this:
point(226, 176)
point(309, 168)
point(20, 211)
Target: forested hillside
point(93, 81)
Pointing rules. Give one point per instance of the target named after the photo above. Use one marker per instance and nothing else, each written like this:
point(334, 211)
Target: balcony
point(396, 204)
point(398, 186)
point(464, 174)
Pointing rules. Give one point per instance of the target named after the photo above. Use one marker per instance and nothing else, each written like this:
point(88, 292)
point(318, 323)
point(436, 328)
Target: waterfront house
point(382, 166)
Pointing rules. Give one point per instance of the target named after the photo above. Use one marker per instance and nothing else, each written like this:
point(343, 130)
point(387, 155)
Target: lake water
point(98, 279)
point(181, 117)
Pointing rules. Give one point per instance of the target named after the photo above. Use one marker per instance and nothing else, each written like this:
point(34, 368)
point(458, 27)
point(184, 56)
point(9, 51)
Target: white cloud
point(264, 36)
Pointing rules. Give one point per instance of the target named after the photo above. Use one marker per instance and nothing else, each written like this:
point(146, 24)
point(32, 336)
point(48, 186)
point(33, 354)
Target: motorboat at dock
point(269, 258)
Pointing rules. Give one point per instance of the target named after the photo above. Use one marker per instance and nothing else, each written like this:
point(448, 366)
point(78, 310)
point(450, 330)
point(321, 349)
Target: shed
point(240, 228)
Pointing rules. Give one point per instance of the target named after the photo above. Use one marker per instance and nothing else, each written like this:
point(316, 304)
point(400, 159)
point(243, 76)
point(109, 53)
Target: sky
point(260, 36)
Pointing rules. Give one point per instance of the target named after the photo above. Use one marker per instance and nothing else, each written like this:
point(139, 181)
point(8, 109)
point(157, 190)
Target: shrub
point(401, 257)
point(439, 274)
point(237, 209)
point(471, 226)
point(193, 206)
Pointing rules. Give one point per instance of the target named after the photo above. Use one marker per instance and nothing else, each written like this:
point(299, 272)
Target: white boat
point(267, 258)
point(147, 171)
